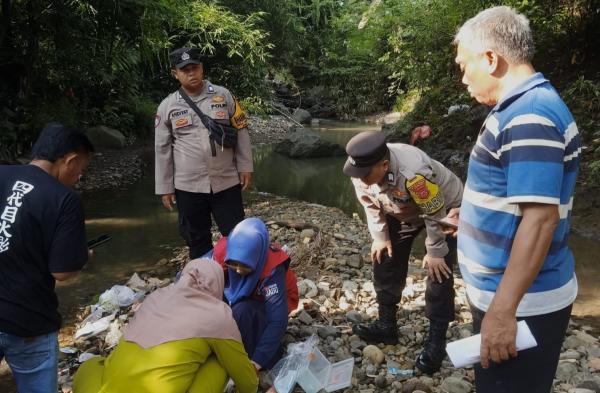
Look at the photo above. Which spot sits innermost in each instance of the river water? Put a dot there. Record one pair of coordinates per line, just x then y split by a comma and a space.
144, 232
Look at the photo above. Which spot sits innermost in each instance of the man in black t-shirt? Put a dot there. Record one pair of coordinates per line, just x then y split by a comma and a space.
42, 239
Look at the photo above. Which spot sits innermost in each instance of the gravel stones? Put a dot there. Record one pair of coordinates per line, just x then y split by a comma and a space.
565, 371
335, 295
456, 385
373, 354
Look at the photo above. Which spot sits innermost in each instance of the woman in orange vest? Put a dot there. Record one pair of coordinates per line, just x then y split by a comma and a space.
261, 289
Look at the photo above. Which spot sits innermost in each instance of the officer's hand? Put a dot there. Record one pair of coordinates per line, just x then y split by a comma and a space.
168, 200
378, 248
452, 218
245, 179
436, 268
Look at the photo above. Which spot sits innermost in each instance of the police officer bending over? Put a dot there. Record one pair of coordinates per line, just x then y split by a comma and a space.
396, 183
203, 153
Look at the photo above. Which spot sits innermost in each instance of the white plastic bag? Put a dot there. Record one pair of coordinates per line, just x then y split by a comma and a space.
94, 328
286, 372
95, 314
114, 334
136, 283
116, 297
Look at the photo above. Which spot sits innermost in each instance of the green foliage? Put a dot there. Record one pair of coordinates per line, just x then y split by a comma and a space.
583, 99
254, 105
89, 62
237, 49
378, 51
420, 50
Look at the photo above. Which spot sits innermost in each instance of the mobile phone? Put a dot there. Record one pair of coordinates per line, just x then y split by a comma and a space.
437, 221
95, 242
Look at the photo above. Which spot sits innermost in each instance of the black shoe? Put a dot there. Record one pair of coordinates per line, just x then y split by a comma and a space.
377, 332
384, 330
430, 359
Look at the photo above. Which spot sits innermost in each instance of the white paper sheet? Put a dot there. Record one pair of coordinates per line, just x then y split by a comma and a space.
465, 352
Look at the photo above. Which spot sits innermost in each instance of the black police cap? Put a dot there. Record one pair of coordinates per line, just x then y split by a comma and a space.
184, 56
364, 151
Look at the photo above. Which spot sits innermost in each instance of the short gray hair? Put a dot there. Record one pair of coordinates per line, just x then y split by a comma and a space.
501, 29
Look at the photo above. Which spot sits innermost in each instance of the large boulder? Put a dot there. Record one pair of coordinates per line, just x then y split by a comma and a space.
303, 143
103, 137
302, 116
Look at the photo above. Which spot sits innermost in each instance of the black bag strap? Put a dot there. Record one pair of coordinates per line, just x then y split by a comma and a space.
202, 116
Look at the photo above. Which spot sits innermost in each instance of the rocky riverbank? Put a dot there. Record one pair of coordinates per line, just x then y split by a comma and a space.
330, 255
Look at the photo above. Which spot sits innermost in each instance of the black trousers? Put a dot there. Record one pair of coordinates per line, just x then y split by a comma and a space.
532, 371
389, 276
195, 211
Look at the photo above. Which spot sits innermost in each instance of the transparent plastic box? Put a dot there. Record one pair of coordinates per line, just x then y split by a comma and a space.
321, 374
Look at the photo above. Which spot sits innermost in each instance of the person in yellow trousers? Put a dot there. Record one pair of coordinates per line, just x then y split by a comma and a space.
182, 339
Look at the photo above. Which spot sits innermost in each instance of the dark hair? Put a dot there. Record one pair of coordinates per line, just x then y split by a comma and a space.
56, 140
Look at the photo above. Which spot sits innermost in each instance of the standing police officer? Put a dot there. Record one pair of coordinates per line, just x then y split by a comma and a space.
396, 183
193, 167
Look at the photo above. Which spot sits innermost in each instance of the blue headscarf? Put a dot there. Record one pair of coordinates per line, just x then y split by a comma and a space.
248, 243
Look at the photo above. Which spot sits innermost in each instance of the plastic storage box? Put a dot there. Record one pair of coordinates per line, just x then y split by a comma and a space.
321, 374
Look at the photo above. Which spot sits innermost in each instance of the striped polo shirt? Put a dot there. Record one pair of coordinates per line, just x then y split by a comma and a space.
527, 151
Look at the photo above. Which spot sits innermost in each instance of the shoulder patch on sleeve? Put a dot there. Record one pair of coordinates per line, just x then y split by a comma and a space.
238, 120
425, 193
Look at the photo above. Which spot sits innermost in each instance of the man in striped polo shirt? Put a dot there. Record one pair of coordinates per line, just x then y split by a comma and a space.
516, 209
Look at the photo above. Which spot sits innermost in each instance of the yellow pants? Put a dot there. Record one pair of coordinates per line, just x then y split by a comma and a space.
174, 367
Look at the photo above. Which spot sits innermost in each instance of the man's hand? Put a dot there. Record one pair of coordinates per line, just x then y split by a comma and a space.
257, 366
452, 218
168, 200
436, 268
378, 248
498, 337
245, 179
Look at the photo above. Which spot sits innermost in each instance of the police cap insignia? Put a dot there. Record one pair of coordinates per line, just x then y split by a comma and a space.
183, 56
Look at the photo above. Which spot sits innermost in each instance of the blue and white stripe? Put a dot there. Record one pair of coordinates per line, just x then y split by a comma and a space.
528, 152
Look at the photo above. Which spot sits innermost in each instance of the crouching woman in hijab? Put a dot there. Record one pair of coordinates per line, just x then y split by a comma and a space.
261, 289
182, 339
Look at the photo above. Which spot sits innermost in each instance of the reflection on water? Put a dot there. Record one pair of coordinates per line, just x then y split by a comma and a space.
317, 180
142, 231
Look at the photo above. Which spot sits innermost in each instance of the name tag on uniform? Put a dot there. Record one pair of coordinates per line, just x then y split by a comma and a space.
181, 121
220, 115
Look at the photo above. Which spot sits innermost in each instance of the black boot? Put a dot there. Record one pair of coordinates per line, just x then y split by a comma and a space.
384, 330
430, 359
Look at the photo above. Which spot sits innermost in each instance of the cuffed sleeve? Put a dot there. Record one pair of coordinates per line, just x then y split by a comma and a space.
375, 215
